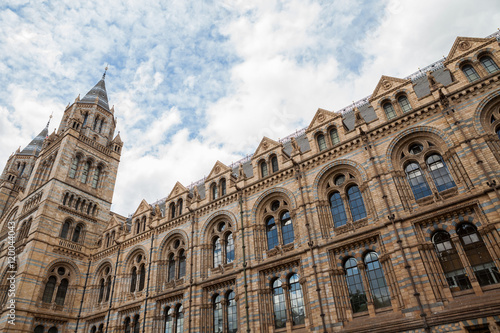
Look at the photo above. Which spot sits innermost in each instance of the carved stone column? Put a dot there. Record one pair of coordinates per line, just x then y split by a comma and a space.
465, 262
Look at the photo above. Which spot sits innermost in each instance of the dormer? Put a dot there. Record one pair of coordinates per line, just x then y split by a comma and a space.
219, 182
325, 130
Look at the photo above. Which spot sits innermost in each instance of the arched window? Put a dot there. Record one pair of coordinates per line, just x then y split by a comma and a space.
179, 207
96, 120
172, 210
232, 317
489, 64
101, 291
137, 324
263, 169
356, 203
439, 172
338, 210
229, 248
39, 329
93, 329
378, 285
182, 264
470, 73
65, 230
279, 305
217, 313
85, 172
179, 320
217, 252
389, 111
498, 133
417, 181
95, 180
321, 142
334, 136
53, 329
215, 192
450, 261
355, 287
133, 280
482, 264
85, 118
274, 164
74, 166
169, 324
49, 290
76, 234
296, 300
108, 289
223, 187
272, 233
287, 228
171, 268
404, 103
61, 292
142, 277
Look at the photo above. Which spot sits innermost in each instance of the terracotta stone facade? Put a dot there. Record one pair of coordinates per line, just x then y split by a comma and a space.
384, 217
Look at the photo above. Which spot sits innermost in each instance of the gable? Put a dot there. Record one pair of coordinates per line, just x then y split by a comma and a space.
321, 117
177, 190
386, 84
265, 145
143, 207
218, 169
464, 45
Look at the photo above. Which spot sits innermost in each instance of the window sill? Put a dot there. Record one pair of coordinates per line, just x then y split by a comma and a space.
360, 314
280, 249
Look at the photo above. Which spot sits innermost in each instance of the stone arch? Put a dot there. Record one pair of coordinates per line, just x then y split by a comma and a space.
215, 217
131, 253
264, 196
66, 262
169, 236
482, 109
103, 263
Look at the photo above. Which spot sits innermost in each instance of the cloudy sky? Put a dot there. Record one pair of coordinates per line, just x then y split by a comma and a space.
193, 82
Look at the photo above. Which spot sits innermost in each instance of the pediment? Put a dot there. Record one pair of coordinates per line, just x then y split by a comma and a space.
113, 222
143, 207
386, 84
218, 169
177, 190
265, 145
464, 45
321, 117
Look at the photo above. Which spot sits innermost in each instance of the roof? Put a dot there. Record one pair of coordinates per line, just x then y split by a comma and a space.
35, 146
98, 91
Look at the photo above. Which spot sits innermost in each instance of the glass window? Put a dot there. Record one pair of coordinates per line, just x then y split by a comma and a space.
222, 186
489, 64
450, 261
263, 169
404, 103
76, 234
61, 292
182, 264
179, 320
389, 111
356, 203
101, 291
133, 280
287, 228
137, 324
321, 142
171, 267
179, 207
229, 249
53, 329
108, 289
417, 181
272, 233
215, 193
355, 287
218, 326
334, 136
168, 320
217, 252
127, 325
376, 279
279, 305
95, 179
232, 317
74, 166
338, 210
172, 210
39, 329
470, 73
296, 301
49, 289
85, 172
274, 163
65, 230
142, 277
439, 173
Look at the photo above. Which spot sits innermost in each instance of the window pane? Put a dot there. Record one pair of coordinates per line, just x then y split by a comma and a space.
450, 261
274, 163
49, 290
222, 186
272, 234
76, 234
61, 292
489, 64
217, 252
65, 230
85, 172
321, 142
168, 320
182, 264
287, 228
404, 103
171, 268
101, 291
263, 169
229, 249
355, 286
97, 172
296, 301
232, 318
179, 320
356, 203
338, 210
133, 280
217, 315
389, 111
376, 279
74, 166
470, 73
418, 184
334, 136
439, 173
142, 277
279, 305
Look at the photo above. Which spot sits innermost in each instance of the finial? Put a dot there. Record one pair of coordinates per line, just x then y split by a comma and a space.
50, 117
105, 70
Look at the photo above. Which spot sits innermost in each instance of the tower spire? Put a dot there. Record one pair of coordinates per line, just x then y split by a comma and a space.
50, 118
105, 70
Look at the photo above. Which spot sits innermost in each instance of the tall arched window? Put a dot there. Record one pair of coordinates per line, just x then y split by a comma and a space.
356, 203
74, 166
489, 64
274, 164
450, 261
95, 179
272, 233
217, 314
279, 305
378, 285
229, 248
133, 280
172, 210
169, 323
53, 329
85, 172
470, 73
404, 103
338, 209
101, 291
142, 277
76, 234
480, 259
263, 169
179, 207
171, 268
389, 111
96, 120
222, 187
217, 252
65, 230
439, 172
334, 136
85, 118
108, 289
232, 317
127, 325
49, 290
39, 329
61, 292
182, 263
296, 300
355, 287
321, 142
179, 320
287, 228
137, 324
417, 181
215, 192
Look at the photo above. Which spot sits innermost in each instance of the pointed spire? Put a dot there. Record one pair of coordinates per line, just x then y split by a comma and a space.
98, 95
105, 70
50, 118
35, 146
